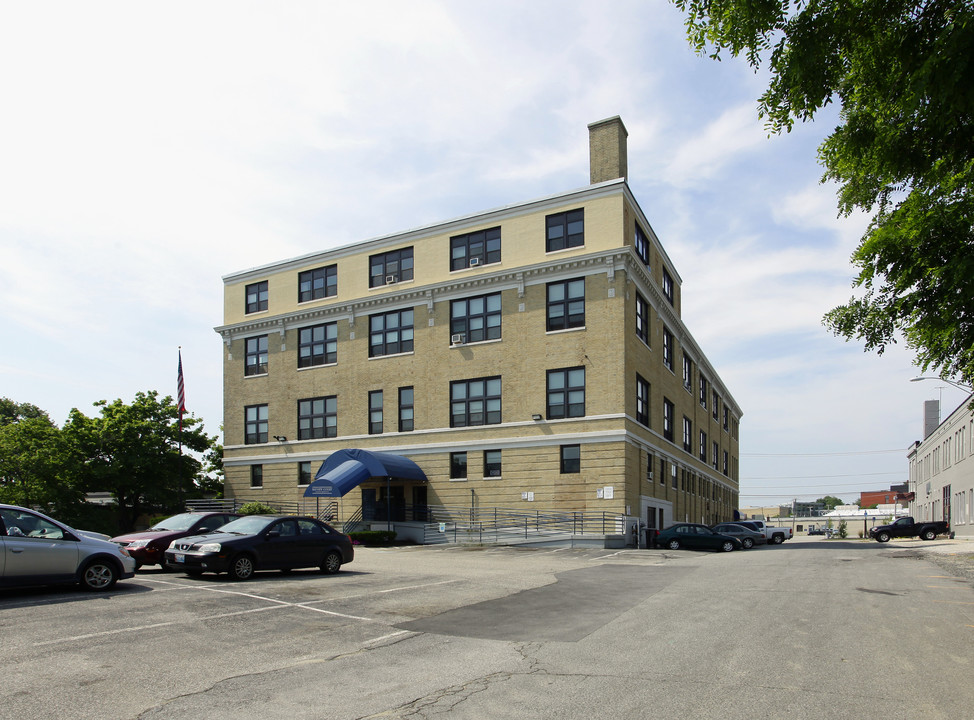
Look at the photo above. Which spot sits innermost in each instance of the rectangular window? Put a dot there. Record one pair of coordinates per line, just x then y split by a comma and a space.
642, 319
477, 318
476, 248
687, 434
667, 286
668, 410
492, 463
475, 402
703, 446
725, 418
406, 409
566, 304
255, 362
255, 424
571, 459
318, 345
458, 466
703, 392
391, 333
304, 473
375, 412
256, 476
256, 296
318, 283
716, 403
724, 463
565, 230
641, 245
317, 418
650, 463
716, 455
667, 348
566, 393
642, 400
687, 372
391, 267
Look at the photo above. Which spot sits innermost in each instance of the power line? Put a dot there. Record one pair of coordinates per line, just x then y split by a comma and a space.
833, 454
816, 477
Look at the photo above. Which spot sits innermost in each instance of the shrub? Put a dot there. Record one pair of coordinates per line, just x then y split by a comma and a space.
373, 537
257, 508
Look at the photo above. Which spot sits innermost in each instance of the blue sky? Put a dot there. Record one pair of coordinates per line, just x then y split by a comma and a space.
148, 150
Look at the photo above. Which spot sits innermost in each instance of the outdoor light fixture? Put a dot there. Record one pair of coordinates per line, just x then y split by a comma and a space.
536, 416
959, 386
280, 438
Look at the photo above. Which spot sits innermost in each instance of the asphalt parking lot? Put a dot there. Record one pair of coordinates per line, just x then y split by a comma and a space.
506, 632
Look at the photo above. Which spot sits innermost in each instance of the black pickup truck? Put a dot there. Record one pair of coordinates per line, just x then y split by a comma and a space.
906, 527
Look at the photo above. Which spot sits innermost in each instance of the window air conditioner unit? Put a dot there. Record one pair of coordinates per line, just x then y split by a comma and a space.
457, 339
474, 261
390, 279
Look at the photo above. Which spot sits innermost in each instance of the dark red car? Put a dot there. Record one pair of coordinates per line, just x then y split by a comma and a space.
148, 547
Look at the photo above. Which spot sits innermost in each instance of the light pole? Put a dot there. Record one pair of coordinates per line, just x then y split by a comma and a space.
959, 386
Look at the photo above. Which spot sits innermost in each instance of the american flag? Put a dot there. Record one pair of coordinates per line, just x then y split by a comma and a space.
180, 389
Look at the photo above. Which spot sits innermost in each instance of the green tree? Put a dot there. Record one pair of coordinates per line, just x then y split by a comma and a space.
34, 466
901, 71
133, 451
830, 502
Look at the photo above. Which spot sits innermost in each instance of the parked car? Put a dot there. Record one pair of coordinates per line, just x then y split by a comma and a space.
816, 530
38, 550
148, 547
749, 538
907, 527
775, 535
262, 542
693, 536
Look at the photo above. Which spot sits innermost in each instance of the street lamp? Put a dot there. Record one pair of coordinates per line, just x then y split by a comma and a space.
959, 386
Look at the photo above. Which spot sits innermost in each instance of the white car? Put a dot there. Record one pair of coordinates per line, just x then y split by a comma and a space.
38, 550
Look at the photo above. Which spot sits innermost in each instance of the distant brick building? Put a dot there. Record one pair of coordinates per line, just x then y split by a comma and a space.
868, 498
531, 356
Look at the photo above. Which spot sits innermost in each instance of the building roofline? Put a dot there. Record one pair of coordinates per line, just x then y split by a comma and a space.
605, 189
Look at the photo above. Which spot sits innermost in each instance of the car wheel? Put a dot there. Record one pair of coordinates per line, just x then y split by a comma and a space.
882, 537
99, 575
748, 543
778, 539
242, 567
727, 546
332, 563
928, 535
673, 544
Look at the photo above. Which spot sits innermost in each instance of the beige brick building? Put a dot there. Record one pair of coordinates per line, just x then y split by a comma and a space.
529, 357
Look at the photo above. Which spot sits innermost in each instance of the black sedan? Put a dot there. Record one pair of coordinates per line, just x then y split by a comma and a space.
262, 542
749, 538
694, 537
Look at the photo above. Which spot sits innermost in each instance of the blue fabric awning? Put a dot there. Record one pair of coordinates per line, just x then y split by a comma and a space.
347, 469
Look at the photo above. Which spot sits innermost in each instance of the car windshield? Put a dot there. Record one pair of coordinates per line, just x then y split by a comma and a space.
176, 522
247, 525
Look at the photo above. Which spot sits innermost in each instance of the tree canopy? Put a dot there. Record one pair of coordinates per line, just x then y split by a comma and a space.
830, 502
136, 451
902, 72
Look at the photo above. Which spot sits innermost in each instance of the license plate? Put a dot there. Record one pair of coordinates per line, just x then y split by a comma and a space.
180, 558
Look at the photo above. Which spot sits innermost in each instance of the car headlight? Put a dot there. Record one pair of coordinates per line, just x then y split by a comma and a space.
136, 544
210, 547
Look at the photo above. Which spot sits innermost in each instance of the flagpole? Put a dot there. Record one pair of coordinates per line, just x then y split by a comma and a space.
181, 403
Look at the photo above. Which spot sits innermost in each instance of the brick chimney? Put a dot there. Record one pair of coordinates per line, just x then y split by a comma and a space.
607, 150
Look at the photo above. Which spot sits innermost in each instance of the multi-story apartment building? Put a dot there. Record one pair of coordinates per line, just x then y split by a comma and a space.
530, 357
942, 471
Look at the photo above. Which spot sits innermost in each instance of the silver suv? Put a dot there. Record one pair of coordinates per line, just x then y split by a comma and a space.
38, 550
